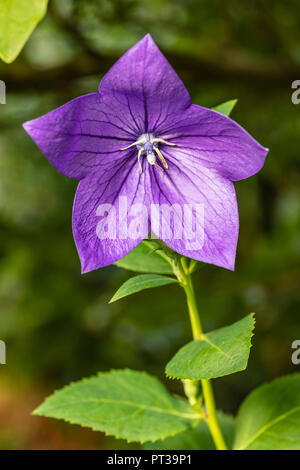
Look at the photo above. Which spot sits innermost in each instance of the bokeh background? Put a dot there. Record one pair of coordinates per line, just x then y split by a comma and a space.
57, 324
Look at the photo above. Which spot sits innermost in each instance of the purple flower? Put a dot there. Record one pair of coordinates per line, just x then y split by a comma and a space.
139, 144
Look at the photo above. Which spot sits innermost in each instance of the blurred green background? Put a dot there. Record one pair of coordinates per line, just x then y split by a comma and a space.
57, 324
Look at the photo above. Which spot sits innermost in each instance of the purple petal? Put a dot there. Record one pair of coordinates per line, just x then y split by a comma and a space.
143, 80
105, 209
210, 234
206, 137
78, 137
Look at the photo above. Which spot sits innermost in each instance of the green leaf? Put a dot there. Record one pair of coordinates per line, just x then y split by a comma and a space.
269, 418
196, 438
127, 404
18, 18
144, 259
225, 108
141, 282
221, 352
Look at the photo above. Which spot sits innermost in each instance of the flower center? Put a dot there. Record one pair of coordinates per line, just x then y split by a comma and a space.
147, 146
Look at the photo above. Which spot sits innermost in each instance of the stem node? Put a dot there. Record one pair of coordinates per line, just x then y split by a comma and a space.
183, 275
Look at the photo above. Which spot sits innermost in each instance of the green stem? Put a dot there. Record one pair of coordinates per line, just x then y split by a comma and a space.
207, 389
192, 308
192, 266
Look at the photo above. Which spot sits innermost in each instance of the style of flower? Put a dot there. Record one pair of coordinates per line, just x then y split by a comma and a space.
140, 137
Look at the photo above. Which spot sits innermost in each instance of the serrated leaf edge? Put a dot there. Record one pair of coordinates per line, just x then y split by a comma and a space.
126, 370
177, 377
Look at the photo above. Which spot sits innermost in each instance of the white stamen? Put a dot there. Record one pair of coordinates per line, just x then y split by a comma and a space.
145, 145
